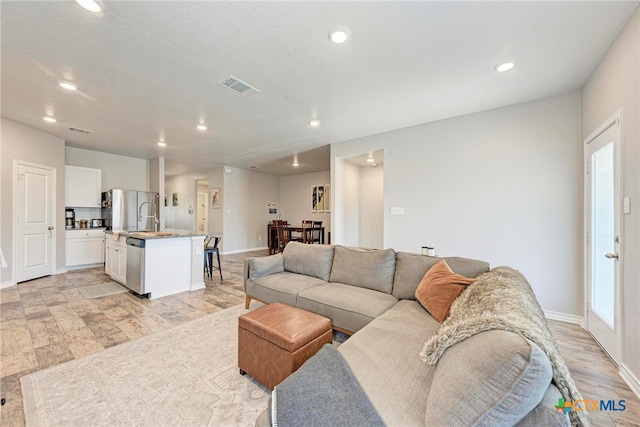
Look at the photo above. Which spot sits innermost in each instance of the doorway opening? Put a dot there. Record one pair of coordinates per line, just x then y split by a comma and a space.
359, 198
202, 206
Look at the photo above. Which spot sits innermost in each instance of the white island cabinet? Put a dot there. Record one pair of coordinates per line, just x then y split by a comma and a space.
115, 258
165, 263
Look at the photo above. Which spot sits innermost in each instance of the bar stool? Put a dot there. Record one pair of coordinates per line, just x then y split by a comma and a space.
208, 255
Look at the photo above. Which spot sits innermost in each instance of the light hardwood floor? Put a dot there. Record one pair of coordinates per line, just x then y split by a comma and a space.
45, 322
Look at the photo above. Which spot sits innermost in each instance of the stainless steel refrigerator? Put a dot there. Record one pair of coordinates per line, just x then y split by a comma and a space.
129, 210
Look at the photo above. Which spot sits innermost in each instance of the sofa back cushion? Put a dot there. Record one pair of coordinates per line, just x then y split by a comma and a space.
366, 268
411, 268
310, 260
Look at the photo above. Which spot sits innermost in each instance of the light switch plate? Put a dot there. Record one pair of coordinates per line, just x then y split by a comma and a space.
397, 211
627, 205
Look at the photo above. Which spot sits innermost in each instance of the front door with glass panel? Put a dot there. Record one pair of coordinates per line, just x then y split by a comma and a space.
603, 237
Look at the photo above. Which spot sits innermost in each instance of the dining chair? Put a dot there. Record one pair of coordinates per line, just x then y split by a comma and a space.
284, 236
302, 236
273, 249
314, 232
209, 250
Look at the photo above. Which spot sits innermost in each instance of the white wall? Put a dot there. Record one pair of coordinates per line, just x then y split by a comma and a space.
20, 142
372, 207
502, 185
345, 215
295, 199
181, 216
245, 214
117, 171
615, 84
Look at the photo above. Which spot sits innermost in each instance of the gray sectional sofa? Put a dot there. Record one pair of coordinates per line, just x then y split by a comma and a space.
493, 378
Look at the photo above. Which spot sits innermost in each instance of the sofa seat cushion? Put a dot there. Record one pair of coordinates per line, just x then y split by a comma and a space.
349, 307
384, 357
281, 287
365, 268
310, 260
505, 377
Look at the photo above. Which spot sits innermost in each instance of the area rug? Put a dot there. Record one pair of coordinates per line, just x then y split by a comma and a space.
102, 290
185, 376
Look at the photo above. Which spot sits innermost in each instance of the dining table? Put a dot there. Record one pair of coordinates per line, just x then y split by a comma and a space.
272, 233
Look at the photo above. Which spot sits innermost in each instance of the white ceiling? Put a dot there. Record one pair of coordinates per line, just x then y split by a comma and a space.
147, 70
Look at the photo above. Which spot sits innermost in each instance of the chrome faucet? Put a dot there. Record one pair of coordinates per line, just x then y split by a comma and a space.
156, 221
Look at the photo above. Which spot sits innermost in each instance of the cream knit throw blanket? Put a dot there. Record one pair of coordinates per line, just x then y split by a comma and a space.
503, 299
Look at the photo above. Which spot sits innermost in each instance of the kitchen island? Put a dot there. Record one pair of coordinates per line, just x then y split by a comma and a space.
156, 263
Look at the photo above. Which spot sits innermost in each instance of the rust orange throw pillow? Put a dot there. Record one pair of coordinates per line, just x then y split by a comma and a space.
439, 287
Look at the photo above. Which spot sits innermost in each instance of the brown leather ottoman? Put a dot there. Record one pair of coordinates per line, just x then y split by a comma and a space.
275, 340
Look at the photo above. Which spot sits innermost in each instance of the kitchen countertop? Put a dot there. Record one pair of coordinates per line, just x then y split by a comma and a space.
165, 234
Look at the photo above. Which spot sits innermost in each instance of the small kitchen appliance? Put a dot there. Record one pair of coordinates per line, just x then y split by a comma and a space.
97, 223
69, 218
84, 223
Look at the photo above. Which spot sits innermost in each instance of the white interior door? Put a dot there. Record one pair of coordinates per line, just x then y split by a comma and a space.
603, 200
35, 221
202, 213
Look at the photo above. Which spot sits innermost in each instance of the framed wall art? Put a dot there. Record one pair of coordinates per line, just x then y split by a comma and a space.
215, 198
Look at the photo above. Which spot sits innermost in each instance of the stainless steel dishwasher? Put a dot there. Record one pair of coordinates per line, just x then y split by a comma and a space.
135, 265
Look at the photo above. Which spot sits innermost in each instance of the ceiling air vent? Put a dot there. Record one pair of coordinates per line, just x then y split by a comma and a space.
79, 130
237, 85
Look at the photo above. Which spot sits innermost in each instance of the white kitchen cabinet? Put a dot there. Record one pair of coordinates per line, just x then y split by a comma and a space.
83, 187
116, 258
84, 247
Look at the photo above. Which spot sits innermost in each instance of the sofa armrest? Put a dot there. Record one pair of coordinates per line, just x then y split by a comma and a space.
257, 267
493, 378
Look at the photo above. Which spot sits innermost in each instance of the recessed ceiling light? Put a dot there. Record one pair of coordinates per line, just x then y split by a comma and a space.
314, 123
339, 35
90, 5
49, 119
503, 66
67, 85
162, 144
201, 127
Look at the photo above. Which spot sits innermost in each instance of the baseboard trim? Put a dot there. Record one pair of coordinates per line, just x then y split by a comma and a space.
7, 284
61, 271
563, 317
197, 286
631, 380
81, 267
239, 251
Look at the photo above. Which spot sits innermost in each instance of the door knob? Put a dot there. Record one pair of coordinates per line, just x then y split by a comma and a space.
50, 227
612, 256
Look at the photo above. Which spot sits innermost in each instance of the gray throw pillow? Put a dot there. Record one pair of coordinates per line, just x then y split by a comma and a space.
264, 266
